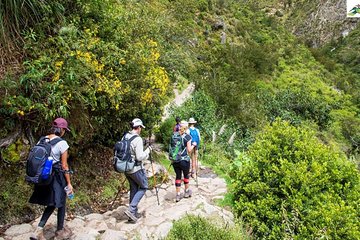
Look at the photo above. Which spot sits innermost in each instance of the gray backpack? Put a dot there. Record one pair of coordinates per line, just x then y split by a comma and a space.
123, 161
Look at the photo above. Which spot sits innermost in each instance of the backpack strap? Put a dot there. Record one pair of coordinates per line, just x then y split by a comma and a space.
133, 137
54, 141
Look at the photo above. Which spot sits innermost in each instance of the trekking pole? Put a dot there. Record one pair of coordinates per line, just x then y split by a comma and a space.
153, 172
197, 167
165, 176
117, 194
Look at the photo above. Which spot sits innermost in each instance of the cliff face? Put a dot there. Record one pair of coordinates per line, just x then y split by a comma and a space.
317, 21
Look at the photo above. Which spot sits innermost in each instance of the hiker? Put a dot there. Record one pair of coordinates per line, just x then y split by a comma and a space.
182, 167
53, 195
195, 137
177, 125
137, 177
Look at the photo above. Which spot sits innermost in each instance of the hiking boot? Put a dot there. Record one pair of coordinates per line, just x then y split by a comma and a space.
178, 197
38, 234
131, 216
188, 193
64, 233
138, 216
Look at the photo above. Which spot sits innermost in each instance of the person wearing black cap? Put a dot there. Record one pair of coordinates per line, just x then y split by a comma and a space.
53, 195
177, 125
137, 177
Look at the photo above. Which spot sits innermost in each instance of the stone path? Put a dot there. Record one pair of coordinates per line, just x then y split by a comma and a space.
179, 99
157, 220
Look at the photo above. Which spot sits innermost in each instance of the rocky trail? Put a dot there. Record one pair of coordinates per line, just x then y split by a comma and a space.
157, 220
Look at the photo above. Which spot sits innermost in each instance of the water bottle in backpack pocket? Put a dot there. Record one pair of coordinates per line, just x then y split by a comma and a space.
47, 170
38, 167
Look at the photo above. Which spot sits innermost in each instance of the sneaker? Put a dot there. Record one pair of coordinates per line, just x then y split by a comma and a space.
38, 234
177, 198
188, 193
64, 233
131, 216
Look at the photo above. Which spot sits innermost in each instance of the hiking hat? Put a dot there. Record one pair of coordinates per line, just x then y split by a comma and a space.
61, 123
184, 123
192, 120
137, 122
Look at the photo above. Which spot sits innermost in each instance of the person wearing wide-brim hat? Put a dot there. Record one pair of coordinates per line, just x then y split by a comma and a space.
195, 137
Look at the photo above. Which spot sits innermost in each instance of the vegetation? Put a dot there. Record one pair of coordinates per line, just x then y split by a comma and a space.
101, 63
195, 227
289, 185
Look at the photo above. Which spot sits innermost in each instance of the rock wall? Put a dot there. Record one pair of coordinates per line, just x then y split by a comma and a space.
323, 21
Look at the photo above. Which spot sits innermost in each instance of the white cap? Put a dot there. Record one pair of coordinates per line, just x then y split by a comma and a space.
137, 122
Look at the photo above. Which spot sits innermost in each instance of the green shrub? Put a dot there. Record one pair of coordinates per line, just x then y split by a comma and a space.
201, 107
165, 131
289, 185
195, 227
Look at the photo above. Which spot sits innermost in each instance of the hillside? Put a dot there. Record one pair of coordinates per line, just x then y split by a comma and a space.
258, 67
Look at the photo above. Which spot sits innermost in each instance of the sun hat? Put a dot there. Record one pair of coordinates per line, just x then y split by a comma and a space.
184, 123
61, 123
192, 120
137, 122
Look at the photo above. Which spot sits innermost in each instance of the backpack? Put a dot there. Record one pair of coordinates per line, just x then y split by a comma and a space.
123, 161
36, 160
176, 147
195, 137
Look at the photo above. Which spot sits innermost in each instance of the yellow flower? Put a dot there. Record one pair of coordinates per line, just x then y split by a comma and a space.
56, 76
21, 113
122, 61
59, 64
117, 84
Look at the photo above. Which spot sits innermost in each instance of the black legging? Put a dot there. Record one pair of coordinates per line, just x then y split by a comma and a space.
181, 167
60, 216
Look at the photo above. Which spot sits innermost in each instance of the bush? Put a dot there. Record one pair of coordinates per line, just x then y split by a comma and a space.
165, 131
195, 227
289, 185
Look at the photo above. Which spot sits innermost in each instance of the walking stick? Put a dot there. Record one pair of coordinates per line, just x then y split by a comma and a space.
117, 194
153, 172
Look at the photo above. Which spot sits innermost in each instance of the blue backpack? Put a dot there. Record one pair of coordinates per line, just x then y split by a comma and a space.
195, 137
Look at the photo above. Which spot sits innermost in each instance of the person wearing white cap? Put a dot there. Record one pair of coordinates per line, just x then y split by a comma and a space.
137, 177
195, 137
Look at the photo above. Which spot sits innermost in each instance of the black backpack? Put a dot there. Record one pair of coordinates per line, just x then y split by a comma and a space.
36, 161
123, 161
